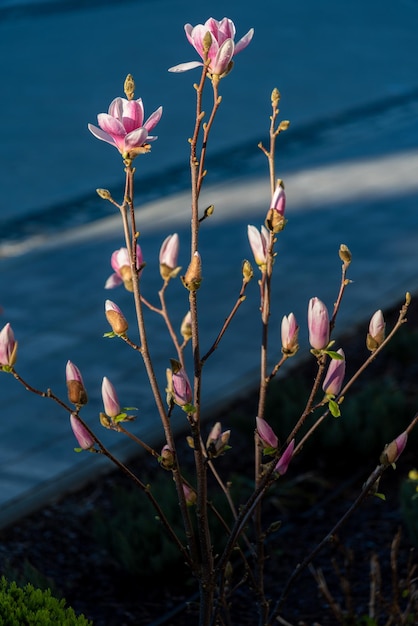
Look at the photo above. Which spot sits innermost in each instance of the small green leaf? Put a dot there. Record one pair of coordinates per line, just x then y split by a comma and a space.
78, 449
269, 451
334, 355
380, 495
334, 408
110, 335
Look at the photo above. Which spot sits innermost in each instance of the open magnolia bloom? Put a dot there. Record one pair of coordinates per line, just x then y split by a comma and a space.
216, 39
124, 127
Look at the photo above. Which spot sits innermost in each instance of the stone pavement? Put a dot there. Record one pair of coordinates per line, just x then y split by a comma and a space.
352, 181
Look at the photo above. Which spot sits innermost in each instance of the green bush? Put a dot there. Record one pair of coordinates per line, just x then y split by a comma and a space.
27, 606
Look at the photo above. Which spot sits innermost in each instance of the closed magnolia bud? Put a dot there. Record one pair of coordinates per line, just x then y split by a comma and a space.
266, 434
393, 451
84, 438
180, 385
167, 458
376, 334
284, 461
334, 378
190, 495
345, 254
168, 257
290, 332
104, 193
110, 398
75, 386
275, 96
115, 318
186, 327
129, 87
8, 347
247, 271
193, 277
318, 324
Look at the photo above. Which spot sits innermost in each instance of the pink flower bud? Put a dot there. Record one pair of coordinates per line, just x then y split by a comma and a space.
85, 440
217, 441
75, 386
110, 399
376, 334
181, 388
169, 252
318, 324
275, 220
393, 451
190, 495
259, 242
290, 331
115, 318
266, 434
8, 347
284, 461
167, 458
278, 202
334, 378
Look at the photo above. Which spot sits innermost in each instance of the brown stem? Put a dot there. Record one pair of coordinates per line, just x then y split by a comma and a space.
44, 394
131, 246
227, 322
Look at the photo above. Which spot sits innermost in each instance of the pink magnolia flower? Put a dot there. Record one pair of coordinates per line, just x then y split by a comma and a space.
259, 241
85, 440
121, 264
124, 127
284, 461
266, 433
290, 331
110, 398
219, 36
318, 324
334, 378
8, 346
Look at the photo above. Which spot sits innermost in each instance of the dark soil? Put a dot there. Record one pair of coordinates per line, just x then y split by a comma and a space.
65, 545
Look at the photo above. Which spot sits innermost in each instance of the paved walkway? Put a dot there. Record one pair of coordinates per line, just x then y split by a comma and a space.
351, 181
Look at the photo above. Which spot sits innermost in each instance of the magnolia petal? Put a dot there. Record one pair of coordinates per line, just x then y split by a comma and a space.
185, 67
136, 138
119, 258
223, 57
226, 29
100, 134
153, 119
244, 41
113, 281
111, 125
132, 115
